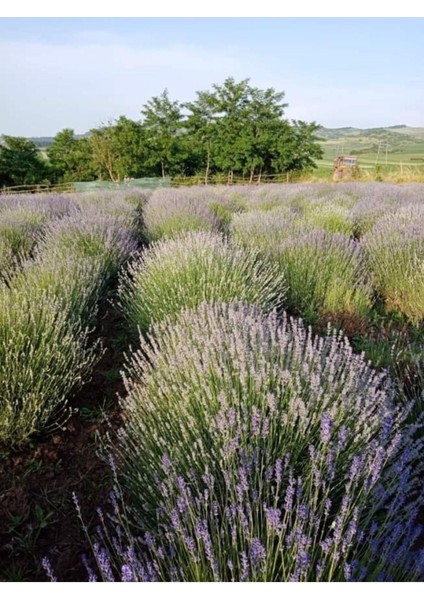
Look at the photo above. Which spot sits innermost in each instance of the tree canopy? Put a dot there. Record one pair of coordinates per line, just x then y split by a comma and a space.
232, 129
21, 162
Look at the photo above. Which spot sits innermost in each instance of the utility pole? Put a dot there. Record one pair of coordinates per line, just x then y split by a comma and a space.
378, 153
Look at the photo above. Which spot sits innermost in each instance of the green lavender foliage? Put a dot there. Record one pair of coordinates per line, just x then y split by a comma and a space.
6, 257
219, 359
329, 216
265, 230
199, 267
394, 250
76, 282
43, 360
47, 306
20, 227
170, 213
325, 273
253, 450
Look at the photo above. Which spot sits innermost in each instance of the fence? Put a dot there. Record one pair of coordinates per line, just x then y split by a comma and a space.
89, 186
36, 189
222, 179
149, 183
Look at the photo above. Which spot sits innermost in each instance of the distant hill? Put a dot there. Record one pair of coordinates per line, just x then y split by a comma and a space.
45, 142
382, 145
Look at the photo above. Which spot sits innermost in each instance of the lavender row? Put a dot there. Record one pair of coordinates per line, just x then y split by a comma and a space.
255, 451
181, 272
46, 348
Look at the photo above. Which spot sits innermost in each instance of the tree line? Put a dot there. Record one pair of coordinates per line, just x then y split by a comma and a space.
232, 130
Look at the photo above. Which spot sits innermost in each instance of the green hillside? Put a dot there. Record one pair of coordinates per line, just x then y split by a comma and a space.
398, 145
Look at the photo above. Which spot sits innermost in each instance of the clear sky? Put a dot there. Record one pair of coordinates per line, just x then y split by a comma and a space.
78, 73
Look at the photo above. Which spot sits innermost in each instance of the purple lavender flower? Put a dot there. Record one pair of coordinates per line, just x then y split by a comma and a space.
256, 421
326, 426
127, 574
166, 463
103, 562
257, 552
48, 568
91, 575
288, 499
273, 518
245, 569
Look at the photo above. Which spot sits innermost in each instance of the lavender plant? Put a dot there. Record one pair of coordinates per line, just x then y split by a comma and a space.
77, 283
111, 239
177, 273
43, 359
19, 228
325, 274
75, 262
113, 204
264, 230
329, 216
6, 258
52, 204
45, 308
217, 361
254, 451
273, 524
395, 254
172, 212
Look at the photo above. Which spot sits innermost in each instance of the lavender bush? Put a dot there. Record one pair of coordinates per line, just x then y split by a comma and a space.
45, 309
109, 238
172, 212
6, 258
181, 273
113, 204
329, 216
220, 360
75, 262
43, 358
395, 255
19, 228
264, 230
52, 204
325, 274
76, 282
254, 451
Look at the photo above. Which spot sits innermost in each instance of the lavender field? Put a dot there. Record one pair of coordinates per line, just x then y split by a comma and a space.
213, 384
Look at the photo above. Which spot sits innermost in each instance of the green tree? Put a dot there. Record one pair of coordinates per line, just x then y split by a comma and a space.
164, 132
264, 127
298, 150
238, 128
118, 150
131, 147
104, 153
21, 162
230, 102
202, 132
71, 157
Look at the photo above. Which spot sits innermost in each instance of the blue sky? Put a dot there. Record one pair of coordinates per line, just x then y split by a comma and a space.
78, 73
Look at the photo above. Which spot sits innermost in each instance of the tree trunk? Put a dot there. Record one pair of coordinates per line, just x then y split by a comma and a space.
208, 160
